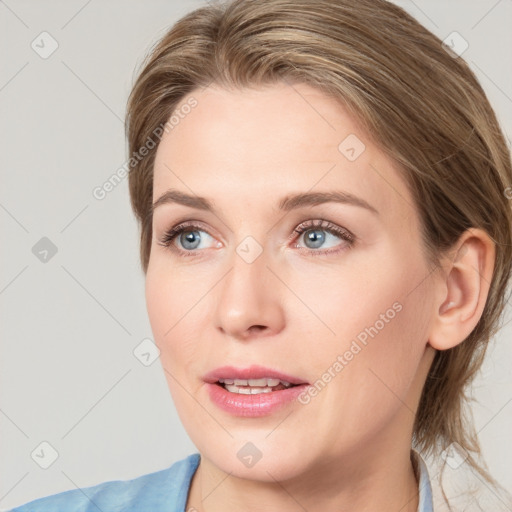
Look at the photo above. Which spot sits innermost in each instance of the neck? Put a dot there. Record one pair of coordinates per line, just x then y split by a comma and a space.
381, 480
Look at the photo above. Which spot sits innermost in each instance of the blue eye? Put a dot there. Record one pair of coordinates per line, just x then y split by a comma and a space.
190, 236
314, 234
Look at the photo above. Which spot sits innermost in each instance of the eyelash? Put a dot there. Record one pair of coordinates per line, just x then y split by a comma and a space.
169, 237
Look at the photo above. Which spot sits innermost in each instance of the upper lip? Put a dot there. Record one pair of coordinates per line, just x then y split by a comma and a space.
251, 372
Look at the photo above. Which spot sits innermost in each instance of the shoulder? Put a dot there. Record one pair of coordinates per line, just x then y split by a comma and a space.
164, 490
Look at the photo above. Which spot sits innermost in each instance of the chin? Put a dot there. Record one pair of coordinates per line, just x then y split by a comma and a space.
270, 461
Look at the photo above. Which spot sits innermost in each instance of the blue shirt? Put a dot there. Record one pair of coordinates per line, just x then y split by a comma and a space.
162, 491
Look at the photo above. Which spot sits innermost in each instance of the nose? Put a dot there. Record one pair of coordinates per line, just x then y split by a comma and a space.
249, 301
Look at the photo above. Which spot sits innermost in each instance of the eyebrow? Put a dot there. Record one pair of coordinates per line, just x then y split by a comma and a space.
288, 203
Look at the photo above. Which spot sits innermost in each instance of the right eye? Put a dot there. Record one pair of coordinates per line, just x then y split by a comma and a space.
188, 234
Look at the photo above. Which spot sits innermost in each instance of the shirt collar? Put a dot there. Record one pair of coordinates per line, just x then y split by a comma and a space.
424, 488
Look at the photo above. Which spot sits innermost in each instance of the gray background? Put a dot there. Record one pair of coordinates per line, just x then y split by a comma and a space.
69, 325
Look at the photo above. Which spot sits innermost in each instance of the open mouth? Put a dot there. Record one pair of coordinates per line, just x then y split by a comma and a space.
254, 386
252, 392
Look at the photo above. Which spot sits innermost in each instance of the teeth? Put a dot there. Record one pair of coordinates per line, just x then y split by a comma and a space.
255, 382
252, 386
248, 390
262, 382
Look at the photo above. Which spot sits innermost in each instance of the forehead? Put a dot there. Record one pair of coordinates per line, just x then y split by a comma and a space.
270, 141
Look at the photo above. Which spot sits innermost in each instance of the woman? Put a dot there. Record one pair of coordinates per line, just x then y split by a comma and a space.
326, 239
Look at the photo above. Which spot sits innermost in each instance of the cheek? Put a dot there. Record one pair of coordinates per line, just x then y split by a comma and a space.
171, 314
371, 332
159, 304
172, 306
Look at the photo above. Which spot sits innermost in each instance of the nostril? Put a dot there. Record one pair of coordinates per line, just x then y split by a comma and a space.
257, 327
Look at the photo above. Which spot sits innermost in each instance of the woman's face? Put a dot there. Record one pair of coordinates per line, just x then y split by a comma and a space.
343, 306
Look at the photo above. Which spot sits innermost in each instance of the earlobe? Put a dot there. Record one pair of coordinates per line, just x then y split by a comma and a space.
462, 289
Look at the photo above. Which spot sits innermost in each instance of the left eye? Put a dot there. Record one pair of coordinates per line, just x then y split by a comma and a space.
315, 238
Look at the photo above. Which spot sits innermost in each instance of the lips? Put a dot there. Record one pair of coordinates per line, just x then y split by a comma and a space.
239, 391
251, 373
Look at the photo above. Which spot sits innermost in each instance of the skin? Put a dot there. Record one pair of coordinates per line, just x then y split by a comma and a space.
296, 311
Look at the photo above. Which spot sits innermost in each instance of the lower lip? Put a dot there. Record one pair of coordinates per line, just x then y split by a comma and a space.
261, 404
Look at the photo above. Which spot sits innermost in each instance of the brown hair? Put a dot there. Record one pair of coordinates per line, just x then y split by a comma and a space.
422, 105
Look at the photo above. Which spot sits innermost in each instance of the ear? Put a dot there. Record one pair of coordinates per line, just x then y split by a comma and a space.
462, 289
